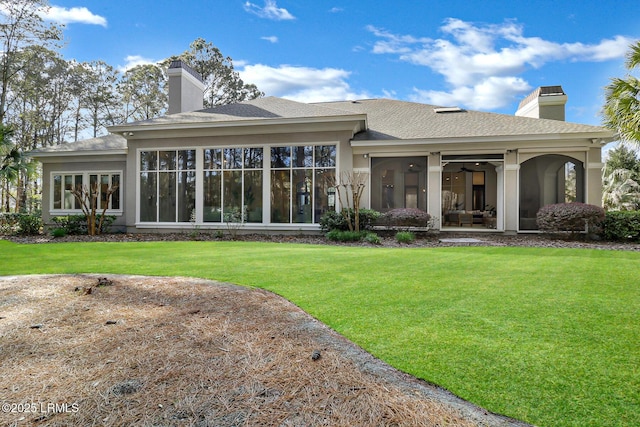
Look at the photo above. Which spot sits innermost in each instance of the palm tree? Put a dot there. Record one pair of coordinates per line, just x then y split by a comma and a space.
14, 165
621, 110
620, 192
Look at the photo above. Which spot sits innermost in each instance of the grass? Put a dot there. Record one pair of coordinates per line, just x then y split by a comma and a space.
549, 336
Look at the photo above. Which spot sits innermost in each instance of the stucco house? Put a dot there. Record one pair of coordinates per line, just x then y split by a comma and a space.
269, 158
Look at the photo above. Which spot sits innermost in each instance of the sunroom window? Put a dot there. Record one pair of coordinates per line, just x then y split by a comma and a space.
301, 177
167, 185
63, 185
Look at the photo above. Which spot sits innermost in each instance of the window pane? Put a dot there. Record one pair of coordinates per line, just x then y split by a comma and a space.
93, 186
280, 196
322, 200
167, 195
187, 159
186, 196
253, 195
115, 197
233, 158
213, 158
280, 157
232, 194
167, 160
104, 191
148, 160
325, 156
57, 192
302, 157
148, 199
212, 205
78, 186
302, 181
253, 158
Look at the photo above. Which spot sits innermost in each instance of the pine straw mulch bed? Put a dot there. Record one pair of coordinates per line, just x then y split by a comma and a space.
188, 352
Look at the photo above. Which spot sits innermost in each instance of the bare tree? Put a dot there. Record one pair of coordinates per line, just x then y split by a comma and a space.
88, 200
349, 189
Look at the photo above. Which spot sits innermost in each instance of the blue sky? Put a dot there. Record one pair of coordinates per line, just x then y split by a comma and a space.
481, 55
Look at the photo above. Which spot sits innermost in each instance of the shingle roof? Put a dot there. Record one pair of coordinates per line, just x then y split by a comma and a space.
110, 142
386, 119
390, 119
261, 108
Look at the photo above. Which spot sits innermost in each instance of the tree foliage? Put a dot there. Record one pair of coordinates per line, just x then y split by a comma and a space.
223, 84
621, 180
143, 91
21, 26
621, 110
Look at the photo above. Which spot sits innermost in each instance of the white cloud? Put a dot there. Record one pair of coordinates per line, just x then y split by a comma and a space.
269, 11
271, 39
491, 93
80, 15
133, 61
482, 64
303, 84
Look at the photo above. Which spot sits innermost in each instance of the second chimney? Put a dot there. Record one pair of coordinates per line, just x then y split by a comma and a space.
186, 89
546, 102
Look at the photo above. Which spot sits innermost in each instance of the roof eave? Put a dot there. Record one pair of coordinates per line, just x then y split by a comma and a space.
67, 153
595, 137
126, 128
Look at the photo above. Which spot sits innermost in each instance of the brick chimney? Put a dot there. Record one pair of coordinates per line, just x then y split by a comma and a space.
186, 88
546, 102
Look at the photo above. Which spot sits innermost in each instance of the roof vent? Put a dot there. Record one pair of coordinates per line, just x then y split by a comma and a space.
448, 110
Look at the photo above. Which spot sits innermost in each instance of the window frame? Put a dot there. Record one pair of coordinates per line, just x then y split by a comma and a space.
86, 177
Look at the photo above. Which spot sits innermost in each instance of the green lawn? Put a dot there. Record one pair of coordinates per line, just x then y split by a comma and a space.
549, 336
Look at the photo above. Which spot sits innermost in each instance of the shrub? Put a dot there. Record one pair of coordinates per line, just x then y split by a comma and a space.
58, 232
29, 223
333, 220
345, 235
77, 224
571, 217
407, 217
622, 226
9, 223
372, 238
405, 237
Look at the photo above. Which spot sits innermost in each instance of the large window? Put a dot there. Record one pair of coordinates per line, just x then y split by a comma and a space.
63, 185
232, 180
167, 185
301, 177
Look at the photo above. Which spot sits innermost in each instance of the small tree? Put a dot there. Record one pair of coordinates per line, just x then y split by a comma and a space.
349, 188
89, 203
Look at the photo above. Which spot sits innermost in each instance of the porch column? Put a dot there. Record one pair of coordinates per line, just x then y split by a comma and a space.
593, 179
434, 187
511, 191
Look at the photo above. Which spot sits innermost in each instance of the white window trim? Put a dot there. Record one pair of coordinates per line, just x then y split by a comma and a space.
85, 181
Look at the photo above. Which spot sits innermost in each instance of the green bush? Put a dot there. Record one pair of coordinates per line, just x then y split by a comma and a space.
572, 217
58, 232
405, 237
372, 238
407, 217
333, 220
345, 235
29, 224
77, 224
622, 226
